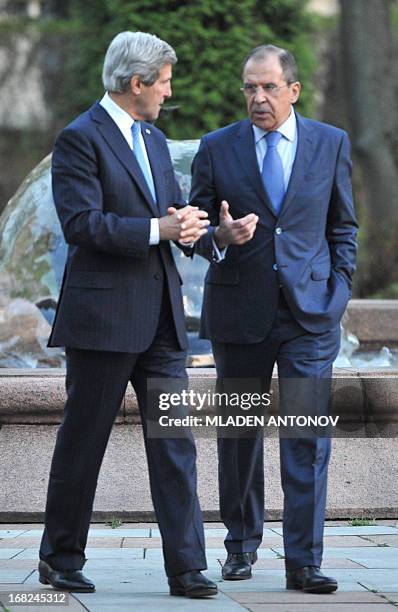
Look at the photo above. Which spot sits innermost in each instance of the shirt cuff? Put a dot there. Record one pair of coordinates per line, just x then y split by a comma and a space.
218, 254
154, 236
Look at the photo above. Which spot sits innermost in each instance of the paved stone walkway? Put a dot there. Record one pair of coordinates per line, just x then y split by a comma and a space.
127, 566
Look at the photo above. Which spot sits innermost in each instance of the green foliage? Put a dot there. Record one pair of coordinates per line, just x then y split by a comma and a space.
211, 40
395, 15
114, 523
362, 522
387, 293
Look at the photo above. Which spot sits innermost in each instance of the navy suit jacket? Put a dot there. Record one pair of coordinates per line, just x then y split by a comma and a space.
112, 288
309, 250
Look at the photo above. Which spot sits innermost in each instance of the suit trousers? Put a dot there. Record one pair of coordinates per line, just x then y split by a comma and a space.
96, 382
302, 357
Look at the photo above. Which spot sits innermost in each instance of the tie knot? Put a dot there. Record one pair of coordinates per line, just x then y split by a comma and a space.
136, 128
273, 138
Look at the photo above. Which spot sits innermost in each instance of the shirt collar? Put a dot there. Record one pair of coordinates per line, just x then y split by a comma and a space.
123, 120
288, 129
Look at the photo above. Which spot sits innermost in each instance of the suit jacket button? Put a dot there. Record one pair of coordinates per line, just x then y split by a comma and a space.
156, 276
278, 230
275, 267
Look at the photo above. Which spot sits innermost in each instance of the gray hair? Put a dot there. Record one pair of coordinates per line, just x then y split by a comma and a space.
135, 53
286, 60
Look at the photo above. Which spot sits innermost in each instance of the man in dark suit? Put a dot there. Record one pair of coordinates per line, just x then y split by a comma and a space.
277, 188
120, 313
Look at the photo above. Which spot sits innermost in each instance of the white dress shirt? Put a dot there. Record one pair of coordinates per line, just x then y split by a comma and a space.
287, 146
124, 122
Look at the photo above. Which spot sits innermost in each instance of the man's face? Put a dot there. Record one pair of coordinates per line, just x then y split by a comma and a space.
151, 97
269, 102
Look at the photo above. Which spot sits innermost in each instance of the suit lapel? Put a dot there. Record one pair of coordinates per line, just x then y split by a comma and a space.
245, 149
120, 148
302, 161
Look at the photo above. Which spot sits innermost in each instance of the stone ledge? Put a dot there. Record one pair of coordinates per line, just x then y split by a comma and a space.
211, 516
38, 396
373, 322
362, 476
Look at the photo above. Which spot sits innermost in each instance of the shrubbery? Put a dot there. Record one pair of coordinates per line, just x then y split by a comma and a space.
211, 39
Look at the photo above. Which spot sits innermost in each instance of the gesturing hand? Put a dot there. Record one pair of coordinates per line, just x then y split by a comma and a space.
186, 224
234, 231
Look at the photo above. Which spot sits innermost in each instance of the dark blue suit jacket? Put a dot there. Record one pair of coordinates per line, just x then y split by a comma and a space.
309, 250
112, 289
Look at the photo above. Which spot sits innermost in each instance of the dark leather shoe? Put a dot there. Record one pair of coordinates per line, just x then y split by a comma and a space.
192, 584
311, 580
238, 566
65, 580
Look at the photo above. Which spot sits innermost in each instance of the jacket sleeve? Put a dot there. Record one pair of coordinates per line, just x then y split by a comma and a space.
342, 225
203, 194
78, 199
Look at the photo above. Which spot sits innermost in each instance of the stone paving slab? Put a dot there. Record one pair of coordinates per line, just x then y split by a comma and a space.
138, 580
328, 563
380, 580
91, 542
354, 531
274, 580
129, 601
390, 596
377, 558
10, 533
339, 552
141, 543
322, 607
28, 564
127, 565
292, 597
15, 575
215, 553
222, 532
9, 553
266, 543
355, 553
386, 540
93, 553
118, 532
345, 541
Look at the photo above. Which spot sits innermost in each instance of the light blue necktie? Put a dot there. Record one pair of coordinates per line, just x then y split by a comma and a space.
272, 172
139, 154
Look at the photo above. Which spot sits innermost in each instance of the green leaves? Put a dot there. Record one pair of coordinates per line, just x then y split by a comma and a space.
211, 40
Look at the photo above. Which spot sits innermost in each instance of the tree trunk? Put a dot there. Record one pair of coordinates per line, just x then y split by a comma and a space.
371, 87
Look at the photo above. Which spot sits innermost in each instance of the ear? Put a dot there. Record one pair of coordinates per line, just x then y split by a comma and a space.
136, 85
295, 89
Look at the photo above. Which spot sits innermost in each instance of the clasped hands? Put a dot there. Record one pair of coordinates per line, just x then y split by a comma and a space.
189, 223
184, 225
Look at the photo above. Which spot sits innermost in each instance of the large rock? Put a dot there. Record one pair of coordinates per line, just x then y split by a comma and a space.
23, 337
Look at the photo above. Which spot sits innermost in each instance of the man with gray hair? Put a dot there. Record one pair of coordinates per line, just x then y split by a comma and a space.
120, 312
277, 187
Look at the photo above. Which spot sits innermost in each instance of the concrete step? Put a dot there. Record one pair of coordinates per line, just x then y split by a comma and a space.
362, 483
